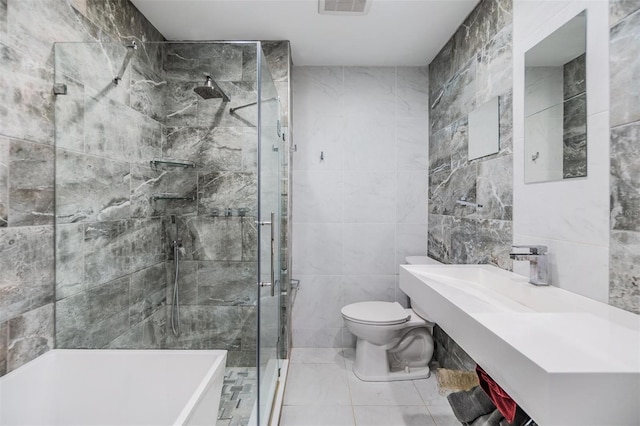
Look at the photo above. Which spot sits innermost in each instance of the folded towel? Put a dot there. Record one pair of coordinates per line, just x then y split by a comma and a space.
498, 396
469, 405
492, 419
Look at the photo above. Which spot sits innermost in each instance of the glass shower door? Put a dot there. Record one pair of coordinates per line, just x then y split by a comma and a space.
269, 219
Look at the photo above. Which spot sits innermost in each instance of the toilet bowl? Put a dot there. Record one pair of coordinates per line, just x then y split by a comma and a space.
393, 343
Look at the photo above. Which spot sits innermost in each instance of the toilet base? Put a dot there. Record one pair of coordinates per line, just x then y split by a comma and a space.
392, 376
372, 365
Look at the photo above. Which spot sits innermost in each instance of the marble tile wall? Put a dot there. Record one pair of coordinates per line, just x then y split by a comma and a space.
624, 63
473, 67
218, 268
361, 208
28, 29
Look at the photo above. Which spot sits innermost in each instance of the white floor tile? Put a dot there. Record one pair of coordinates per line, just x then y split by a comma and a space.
316, 384
443, 415
397, 416
429, 391
383, 393
318, 415
317, 356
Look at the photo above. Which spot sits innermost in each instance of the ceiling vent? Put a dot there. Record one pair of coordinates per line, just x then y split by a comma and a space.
344, 7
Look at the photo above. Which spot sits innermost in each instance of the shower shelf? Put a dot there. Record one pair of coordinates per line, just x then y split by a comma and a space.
169, 196
171, 163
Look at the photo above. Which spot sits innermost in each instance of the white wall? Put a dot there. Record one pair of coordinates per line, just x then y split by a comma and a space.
571, 217
362, 209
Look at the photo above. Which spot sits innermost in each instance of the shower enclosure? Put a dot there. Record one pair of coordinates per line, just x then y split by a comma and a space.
168, 188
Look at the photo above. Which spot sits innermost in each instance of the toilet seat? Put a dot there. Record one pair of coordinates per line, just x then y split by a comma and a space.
376, 313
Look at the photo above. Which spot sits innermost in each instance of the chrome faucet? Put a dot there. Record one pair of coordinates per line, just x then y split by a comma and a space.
538, 262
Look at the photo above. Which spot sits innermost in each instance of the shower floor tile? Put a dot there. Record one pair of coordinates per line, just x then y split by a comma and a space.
238, 396
314, 373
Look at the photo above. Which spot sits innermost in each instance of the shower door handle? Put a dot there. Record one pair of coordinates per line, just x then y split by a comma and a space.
272, 274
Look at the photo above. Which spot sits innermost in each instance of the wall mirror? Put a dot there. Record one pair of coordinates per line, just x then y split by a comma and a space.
484, 130
555, 145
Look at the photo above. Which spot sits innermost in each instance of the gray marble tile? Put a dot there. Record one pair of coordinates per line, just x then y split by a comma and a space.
91, 188
449, 354
219, 148
3, 17
620, 9
625, 187
212, 238
26, 262
224, 190
227, 283
5, 144
440, 70
624, 287
574, 159
145, 182
241, 359
249, 62
107, 251
494, 71
148, 293
148, 88
458, 97
277, 55
115, 16
495, 188
575, 119
575, 77
249, 239
624, 64
505, 106
30, 27
4, 336
187, 282
26, 103
31, 184
215, 113
148, 334
30, 335
118, 132
459, 144
95, 65
146, 237
95, 317
69, 259
458, 184
439, 237
481, 241
194, 61
211, 327
180, 103
483, 24
69, 116
440, 151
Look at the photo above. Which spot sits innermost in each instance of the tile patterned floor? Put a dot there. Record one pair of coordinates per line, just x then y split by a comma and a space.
323, 391
238, 396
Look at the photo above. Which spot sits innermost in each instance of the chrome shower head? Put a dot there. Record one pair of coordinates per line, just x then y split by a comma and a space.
211, 90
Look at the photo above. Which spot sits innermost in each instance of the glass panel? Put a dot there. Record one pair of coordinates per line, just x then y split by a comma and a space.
269, 170
157, 194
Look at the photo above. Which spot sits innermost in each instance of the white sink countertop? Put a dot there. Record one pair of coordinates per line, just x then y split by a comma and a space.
566, 359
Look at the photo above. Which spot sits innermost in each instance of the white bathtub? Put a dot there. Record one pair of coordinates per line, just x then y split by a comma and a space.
114, 387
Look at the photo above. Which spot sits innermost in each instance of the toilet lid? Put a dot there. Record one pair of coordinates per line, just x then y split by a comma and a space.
387, 313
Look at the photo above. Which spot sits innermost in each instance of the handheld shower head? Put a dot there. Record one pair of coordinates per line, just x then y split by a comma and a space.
211, 90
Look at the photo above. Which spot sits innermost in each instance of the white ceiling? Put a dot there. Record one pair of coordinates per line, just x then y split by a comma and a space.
394, 32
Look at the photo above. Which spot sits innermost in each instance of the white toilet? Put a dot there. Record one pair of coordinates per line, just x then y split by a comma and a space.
393, 343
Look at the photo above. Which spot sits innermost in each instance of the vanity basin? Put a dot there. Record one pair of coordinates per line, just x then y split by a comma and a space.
566, 359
